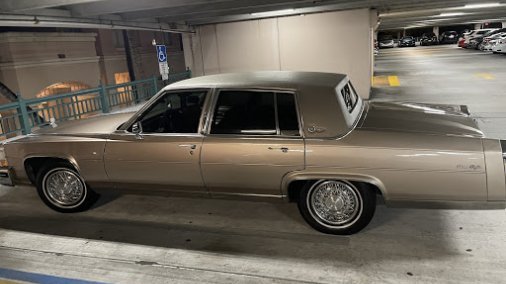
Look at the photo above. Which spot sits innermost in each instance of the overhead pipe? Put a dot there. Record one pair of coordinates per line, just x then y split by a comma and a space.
67, 22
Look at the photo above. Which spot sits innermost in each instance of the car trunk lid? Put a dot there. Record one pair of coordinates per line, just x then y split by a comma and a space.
423, 118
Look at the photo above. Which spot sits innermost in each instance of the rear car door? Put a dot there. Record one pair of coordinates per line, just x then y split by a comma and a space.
253, 140
167, 151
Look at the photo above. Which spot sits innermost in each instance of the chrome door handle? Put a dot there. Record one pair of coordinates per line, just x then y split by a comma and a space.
283, 149
191, 146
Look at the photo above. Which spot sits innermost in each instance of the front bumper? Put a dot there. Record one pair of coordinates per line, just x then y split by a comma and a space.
6, 176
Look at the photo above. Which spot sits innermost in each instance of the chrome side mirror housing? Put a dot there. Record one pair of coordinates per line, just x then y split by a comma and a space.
137, 130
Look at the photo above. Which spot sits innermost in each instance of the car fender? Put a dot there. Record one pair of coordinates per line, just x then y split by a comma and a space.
310, 175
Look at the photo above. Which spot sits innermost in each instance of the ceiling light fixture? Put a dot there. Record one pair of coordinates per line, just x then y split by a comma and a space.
482, 5
273, 13
450, 14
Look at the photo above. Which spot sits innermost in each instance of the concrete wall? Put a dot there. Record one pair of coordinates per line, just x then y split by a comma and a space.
29, 62
339, 42
32, 61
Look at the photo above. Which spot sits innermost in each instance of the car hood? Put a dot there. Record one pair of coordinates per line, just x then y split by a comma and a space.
421, 118
102, 124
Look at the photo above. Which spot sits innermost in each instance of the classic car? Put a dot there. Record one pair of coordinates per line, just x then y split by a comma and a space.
303, 137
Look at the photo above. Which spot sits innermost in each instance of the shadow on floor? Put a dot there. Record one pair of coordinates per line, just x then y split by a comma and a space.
232, 227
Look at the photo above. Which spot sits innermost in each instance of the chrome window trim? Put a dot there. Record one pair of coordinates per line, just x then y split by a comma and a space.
214, 102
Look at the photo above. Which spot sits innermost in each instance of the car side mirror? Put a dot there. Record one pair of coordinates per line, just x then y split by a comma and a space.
137, 130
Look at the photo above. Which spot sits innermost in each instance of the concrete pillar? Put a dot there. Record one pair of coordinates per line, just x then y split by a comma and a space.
404, 32
477, 26
399, 34
504, 24
435, 30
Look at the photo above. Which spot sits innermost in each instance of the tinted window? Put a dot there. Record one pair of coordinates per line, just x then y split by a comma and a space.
244, 112
174, 113
287, 114
349, 96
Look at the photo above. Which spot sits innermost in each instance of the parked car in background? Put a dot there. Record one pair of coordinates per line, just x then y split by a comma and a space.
490, 41
462, 39
428, 39
477, 39
407, 41
500, 45
243, 135
449, 37
386, 42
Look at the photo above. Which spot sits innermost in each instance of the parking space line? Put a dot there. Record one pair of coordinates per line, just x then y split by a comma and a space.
485, 76
385, 81
16, 275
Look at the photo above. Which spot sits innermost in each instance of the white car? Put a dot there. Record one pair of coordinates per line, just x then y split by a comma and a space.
475, 34
490, 41
500, 45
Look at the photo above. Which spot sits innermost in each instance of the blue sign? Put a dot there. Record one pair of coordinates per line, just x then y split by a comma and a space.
161, 53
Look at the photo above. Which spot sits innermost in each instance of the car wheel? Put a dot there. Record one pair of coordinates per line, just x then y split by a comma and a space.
337, 207
63, 189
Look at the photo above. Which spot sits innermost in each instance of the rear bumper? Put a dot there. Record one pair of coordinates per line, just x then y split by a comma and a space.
6, 176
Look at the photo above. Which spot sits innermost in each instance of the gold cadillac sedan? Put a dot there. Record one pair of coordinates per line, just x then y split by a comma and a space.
297, 136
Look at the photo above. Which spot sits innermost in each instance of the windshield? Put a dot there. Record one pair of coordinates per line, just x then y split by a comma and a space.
385, 38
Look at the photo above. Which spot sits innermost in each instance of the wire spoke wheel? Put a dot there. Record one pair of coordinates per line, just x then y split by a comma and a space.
64, 188
334, 204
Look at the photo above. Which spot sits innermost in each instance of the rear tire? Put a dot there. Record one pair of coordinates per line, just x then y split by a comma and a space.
337, 207
62, 189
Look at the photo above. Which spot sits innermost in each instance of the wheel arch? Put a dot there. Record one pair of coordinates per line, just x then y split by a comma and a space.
33, 163
293, 182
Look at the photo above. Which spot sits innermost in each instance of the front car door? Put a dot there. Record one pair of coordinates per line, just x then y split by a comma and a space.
253, 139
166, 154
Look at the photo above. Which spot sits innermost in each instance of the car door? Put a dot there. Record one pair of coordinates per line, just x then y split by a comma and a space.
167, 148
253, 140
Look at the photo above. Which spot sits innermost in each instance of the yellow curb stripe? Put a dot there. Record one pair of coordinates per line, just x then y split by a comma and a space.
393, 81
380, 81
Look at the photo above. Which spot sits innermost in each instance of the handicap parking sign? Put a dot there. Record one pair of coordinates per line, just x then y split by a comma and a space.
161, 52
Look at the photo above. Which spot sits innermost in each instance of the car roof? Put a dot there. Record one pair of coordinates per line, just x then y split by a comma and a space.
263, 79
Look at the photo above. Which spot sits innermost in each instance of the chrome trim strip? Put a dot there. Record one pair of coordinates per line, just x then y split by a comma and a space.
277, 196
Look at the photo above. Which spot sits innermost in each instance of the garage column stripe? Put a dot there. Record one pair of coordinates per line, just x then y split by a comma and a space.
393, 81
10, 274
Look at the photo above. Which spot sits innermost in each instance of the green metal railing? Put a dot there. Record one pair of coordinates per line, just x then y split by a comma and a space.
21, 116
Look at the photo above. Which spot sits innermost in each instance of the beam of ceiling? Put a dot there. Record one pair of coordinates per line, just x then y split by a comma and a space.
16, 20
218, 9
23, 5
393, 13
125, 6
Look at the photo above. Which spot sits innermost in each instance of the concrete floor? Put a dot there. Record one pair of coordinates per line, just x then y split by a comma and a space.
146, 239
448, 74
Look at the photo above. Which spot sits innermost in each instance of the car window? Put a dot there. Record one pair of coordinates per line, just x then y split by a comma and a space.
174, 112
254, 113
287, 114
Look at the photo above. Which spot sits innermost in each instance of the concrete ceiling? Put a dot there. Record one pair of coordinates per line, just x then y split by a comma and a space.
176, 14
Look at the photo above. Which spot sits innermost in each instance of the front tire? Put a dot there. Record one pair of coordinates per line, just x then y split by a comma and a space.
62, 189
337, 207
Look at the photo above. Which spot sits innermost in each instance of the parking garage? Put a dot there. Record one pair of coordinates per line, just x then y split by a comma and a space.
79, 75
